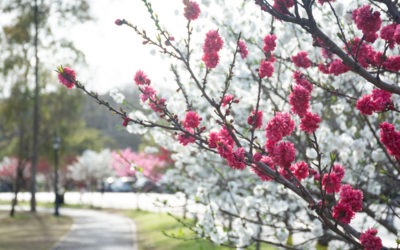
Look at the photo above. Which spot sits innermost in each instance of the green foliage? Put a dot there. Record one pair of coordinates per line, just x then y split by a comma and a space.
61, 114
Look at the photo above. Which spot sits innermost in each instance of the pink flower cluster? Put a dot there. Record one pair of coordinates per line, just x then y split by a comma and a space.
257, 169
266, 66
186, 138
368, 21
335, 67
279, 126
212, 45
228, 100
391, 139
192, 120
331, 182
391, 34
191, 10
269, 43
378, 101
148, 93
255, 119
66, 76
350, 202
282, 6
266, 69
301, 60
281, 152
225, 144
300, 170
370, 241
242, 49
299, 101
365, 55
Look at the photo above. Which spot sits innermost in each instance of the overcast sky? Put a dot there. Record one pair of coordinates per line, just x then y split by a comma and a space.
115, 53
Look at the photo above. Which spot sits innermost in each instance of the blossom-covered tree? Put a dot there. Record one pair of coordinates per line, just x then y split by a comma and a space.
91, 168
126, 162
289, 120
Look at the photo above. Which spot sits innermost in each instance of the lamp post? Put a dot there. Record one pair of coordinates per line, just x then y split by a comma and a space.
56, 147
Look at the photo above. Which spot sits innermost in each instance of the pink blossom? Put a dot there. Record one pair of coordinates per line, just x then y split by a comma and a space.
186, 138
381, 99
368, 21
378, 101
213, 138
324, 68
337, 67
191, 10
365, 105
269, 43
309, 122
353, 197
279, 126
258, 169
141, 78
282, 6
343, 212
211, 60
388, 34
213, 42
364, 52
236, 160
147, 93
225, 150
299, 100
257, 156
255, 119
301, 60
392, 63
331, 183
66, 76
158, 105
301, 80
192, 120
242, 49
283, 154
226, 137
390, 138
266, 69
228, 99
370, 241
338, 170
300, 170
221, 138
396, 35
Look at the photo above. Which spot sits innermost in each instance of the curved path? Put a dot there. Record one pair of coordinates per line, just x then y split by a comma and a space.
96, 230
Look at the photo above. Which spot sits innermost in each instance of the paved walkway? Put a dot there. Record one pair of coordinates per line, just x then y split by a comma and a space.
95, 230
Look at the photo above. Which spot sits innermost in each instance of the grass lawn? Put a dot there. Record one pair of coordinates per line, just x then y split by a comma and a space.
150, 227
31, 231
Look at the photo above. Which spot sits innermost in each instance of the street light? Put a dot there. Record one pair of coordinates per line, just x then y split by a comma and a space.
56, 147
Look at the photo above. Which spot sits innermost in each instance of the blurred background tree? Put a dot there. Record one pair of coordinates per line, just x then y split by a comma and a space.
28, 34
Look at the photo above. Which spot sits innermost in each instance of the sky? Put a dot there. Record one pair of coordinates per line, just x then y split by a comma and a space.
114, 53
